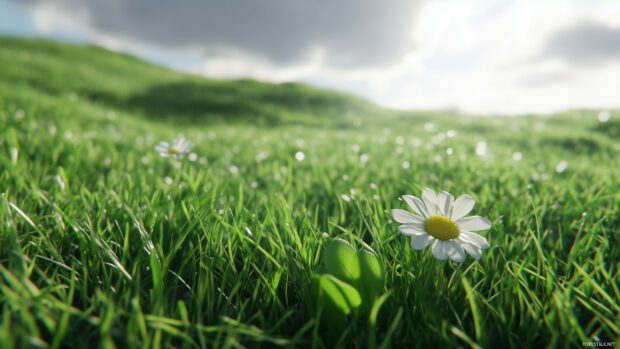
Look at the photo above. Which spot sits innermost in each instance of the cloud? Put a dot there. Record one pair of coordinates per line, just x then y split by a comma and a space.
348, 32
586, 43
479, 56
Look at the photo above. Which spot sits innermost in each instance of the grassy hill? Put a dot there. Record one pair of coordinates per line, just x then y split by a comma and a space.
121, 81
105, 243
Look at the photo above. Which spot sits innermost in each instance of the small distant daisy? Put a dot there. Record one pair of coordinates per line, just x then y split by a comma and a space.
439, 220
175, 149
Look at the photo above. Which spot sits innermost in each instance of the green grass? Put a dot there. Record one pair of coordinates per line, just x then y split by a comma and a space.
102, 242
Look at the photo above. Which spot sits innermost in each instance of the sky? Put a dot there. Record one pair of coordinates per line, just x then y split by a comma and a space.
477, 56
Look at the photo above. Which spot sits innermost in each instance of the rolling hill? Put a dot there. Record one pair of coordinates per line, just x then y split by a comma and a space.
95, 75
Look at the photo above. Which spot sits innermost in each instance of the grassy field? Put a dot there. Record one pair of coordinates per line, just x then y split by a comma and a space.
104, 242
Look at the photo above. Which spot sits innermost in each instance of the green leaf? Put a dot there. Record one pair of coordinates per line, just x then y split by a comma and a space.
336, 299
360, 269
158, 281
341, 261
338, 293
372, 274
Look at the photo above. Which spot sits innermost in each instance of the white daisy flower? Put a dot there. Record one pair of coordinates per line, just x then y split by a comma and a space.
440, 221
175, 149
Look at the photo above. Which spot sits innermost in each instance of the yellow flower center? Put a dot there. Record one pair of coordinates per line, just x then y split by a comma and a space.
173, 150
442, 228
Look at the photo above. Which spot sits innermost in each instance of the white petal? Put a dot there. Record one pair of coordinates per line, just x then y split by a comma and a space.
455, 251
474, 239
472, 250
462, 206
473, 223
416, 204
420, 242
411, 229
187, 146
440, 250
445, 201
430, 200
402, 216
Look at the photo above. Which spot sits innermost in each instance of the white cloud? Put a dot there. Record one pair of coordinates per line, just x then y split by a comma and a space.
482, 56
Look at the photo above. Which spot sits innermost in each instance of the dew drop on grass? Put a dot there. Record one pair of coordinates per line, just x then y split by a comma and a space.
481, 148
561, 166
261, 155
364, 158
19, 115
604, 116
14, 155
60, 182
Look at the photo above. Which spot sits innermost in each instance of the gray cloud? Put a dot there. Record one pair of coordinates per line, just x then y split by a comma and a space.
586, 43
352, 32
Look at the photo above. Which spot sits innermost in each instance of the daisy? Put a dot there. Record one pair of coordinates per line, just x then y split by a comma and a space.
439, 220
175, 149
